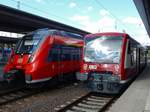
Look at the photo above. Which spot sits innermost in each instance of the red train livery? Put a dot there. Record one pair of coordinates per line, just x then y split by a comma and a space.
44, 54
110, 60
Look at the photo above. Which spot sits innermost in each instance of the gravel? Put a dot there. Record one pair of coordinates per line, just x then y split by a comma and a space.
49, 101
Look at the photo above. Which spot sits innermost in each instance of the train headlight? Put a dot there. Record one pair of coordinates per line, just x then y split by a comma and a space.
116, 68
92, 67
30, 58
85, 66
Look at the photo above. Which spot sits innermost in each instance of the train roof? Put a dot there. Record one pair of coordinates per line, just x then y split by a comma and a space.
60, 32
104, 33
111, 33
8, 39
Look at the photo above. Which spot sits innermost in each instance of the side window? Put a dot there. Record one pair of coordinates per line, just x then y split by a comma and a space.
133, 54
129, 48
70, 53
77, 54
141, 56
54, 54
65, 53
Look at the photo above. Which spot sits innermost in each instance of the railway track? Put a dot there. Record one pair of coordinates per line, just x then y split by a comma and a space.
15, 94
91, 102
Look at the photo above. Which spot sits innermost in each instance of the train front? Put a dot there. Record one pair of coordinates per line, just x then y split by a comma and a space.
23, 60
101, 62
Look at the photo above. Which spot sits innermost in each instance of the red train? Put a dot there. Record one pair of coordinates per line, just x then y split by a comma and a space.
110, 60
44, 54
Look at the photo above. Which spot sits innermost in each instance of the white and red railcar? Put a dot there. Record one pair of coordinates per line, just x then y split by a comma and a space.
110, 60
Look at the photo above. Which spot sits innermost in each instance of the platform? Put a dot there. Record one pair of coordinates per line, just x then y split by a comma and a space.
137, 97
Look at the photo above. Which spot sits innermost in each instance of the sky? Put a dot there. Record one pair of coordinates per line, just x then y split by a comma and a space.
89, 15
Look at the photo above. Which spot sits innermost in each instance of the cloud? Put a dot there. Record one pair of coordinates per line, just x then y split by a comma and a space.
72, 5
141, 36
107, 24
79, 18
90, 8
107, 21
103, 24
132, 20
85, 22
104, 12
138, 31
38, 0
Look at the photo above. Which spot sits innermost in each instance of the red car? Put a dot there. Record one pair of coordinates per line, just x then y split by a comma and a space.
110, 60
44, 54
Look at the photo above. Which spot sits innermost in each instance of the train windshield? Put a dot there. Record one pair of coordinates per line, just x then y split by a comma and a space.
103, 49
30, 42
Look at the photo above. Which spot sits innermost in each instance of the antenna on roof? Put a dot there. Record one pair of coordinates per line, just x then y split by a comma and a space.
124, 31
18, 4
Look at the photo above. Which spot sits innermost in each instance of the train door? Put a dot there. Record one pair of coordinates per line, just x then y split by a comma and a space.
59, 57
53, 60
63, 65
57, 54
138, 59
61, 61
131, 59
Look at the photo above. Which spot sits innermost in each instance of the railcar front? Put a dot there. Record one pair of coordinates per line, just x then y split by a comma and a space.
103, 62
24, 60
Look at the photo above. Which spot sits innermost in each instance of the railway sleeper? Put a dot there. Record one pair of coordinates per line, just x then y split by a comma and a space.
74, 111
97, 100
99, 97
78, 108
92, 103
89, 106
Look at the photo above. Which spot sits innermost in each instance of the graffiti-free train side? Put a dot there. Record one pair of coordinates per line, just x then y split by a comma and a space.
44, 54
110, 60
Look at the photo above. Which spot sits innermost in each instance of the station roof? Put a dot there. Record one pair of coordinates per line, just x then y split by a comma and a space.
8, 40
14, 20
143, 7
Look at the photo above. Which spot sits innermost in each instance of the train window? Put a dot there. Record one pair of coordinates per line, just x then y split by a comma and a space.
64, 53
129, 48
30, 42
133, 54
54, 54
103, 49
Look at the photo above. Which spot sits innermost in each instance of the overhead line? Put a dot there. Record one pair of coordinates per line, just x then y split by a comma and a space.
114, 16
45, 12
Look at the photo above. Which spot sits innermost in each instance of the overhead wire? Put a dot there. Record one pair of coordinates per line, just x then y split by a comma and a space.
42, 11
113, 15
